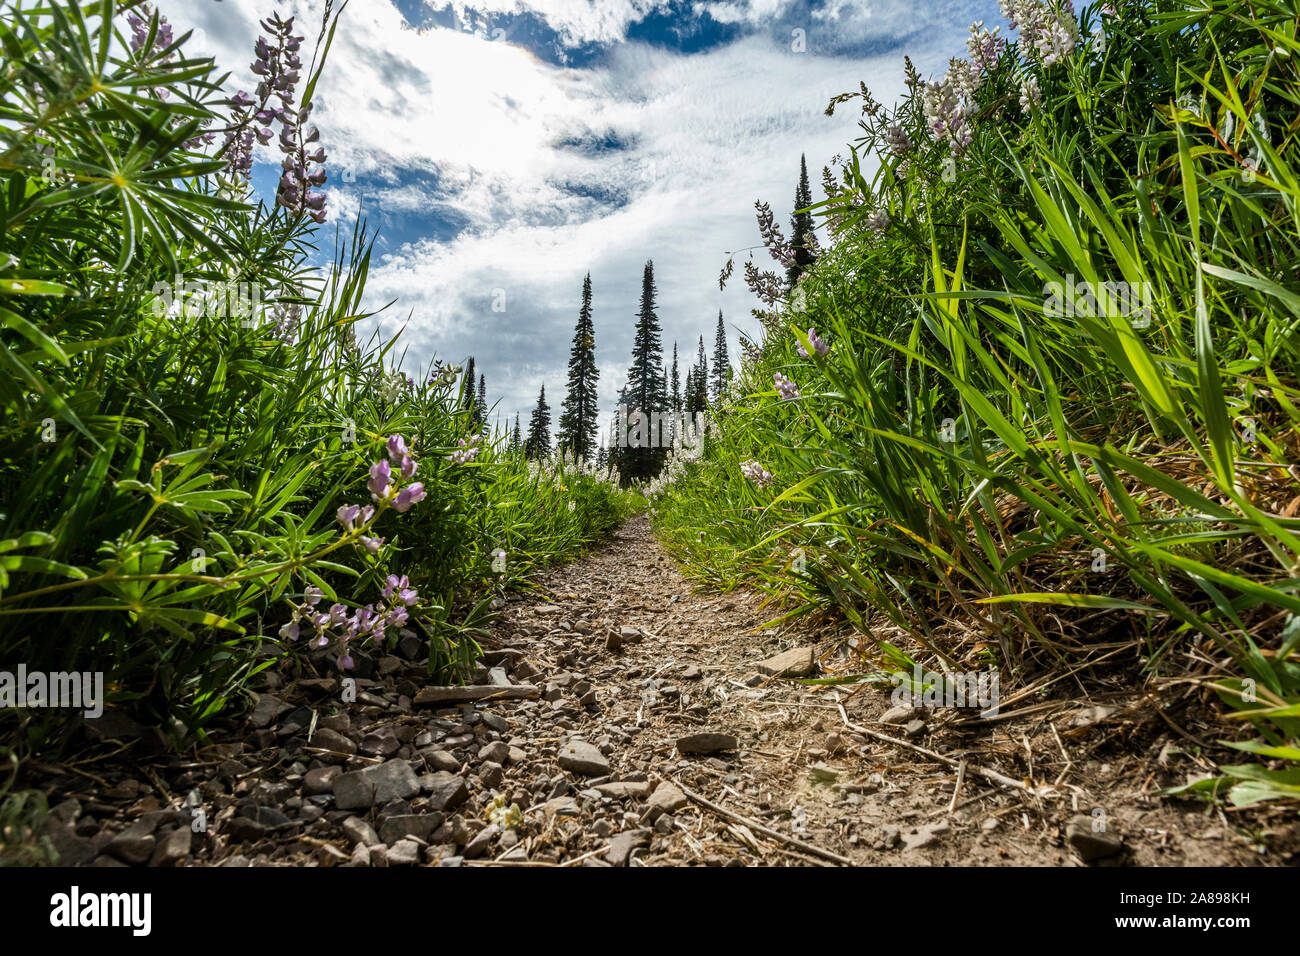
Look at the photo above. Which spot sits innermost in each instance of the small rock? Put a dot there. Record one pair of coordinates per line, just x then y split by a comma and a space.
482, 840
446, 791
267, 709
393, 780
404, 853
622, 789
336, 747
706, 743
900, 714
796, 662
667, 798
497, 752
622, 845
320, 780
582, 758
404, 825
1091, 845
359, 831
135, 844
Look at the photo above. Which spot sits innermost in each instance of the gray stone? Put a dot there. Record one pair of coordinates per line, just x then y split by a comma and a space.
382, 742
621, 845
706, 743
404, 853
796, 662
439, 759
446, 791
580, 757
482, 840
497, 752
1091, 845
336, 748
404, 825
667, 798
268, 708
320, 780
172, 848
622, 789
359, 831
392, 780
135, 844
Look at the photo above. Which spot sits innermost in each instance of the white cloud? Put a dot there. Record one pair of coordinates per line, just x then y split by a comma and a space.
707, 134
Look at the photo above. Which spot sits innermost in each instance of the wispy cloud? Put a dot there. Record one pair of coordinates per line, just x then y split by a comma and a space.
492, 172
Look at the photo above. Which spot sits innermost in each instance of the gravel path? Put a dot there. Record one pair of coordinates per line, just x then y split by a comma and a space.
627, 719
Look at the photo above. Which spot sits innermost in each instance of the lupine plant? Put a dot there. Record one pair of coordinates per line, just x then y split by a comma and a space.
1009, 481
192, 491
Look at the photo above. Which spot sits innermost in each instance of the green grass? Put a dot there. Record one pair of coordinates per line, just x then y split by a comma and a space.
1165, 447
170, 479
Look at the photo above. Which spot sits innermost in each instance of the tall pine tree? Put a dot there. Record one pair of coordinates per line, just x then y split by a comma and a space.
516, 443
538, 444
647, 388
677, 383
578, 419
468, 399
702, 378
480, 404
721, 364
801, 225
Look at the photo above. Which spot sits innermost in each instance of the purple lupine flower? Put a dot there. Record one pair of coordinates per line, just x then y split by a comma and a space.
346, 663
393, 583
397, 449
756, 473
290, 631
347, 516
380, 482
397, 616
371, 544
312, 595
410, 495
338, 614
785, 387
408, 467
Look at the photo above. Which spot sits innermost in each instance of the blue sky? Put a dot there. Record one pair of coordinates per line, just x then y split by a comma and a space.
504, 148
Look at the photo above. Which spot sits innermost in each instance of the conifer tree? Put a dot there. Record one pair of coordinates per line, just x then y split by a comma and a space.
538, 444
801, 225
702, 378
721, 364
516, 442
647, 388
676, 383
480, 404
578, 418
468, 399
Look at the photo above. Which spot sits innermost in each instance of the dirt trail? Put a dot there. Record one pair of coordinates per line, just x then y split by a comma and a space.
630, 666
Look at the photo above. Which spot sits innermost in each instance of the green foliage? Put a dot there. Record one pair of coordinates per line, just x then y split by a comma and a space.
996, 472
171, 465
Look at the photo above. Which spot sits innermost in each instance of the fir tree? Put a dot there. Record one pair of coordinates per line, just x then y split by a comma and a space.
578, 419
467, 386
538, 444
801, 225
702, 378
516, 442
647, 388
677, 383
480, 404
721, 364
